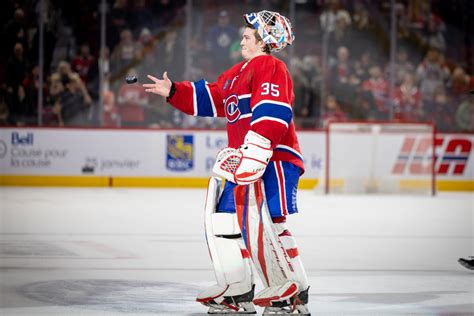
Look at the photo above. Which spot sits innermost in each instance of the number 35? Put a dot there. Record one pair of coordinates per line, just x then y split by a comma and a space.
270, 88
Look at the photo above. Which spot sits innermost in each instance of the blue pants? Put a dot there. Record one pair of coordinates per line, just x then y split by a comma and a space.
280, 181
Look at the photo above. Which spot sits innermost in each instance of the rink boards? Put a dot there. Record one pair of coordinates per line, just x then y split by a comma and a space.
184, 158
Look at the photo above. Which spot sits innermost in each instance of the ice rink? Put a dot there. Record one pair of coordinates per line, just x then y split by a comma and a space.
106, 251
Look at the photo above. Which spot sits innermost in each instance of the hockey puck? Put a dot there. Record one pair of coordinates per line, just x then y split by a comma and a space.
131, 79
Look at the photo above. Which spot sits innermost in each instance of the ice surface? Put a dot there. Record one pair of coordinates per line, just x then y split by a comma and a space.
101, 251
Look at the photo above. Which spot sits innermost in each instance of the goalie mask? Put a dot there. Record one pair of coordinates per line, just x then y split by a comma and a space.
274, 29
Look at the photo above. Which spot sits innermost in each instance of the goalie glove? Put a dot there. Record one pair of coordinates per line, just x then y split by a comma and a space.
246, 164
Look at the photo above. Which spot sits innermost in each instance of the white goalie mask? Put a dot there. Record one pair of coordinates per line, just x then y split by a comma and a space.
274, 29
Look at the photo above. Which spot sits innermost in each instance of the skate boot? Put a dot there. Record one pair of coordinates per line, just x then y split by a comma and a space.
222, 304
296, 305
467, 263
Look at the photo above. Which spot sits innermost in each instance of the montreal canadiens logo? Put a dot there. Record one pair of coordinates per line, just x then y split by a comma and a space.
232, 109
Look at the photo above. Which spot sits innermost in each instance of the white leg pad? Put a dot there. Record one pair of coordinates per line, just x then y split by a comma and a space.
289, 243
229, 256
260, 237
276, 268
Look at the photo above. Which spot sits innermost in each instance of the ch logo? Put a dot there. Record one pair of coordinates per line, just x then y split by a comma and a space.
232, 109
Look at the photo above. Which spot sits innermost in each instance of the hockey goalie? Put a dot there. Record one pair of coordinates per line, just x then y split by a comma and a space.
246, 219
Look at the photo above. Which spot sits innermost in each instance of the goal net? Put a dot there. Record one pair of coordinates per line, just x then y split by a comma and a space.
379, 157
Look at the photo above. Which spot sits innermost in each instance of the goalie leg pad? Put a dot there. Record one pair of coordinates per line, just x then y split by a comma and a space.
260, 239
289, 243
273, 257
229, 257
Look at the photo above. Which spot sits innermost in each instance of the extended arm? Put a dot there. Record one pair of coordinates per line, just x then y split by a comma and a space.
198, 98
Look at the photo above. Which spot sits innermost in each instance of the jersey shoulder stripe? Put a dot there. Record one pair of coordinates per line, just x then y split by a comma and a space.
204, 104
269, 118
288, 149
272, 110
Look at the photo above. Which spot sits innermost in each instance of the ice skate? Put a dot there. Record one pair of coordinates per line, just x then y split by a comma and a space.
236, 304
296, 305
467, 263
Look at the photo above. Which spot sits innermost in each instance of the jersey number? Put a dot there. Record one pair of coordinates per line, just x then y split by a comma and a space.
270, 88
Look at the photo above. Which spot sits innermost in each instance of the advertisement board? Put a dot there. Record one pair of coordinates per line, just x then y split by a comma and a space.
182, 156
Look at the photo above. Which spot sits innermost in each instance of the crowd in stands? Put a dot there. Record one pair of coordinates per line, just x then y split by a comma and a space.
340, 61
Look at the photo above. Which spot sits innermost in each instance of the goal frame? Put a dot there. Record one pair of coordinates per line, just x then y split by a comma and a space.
328, 147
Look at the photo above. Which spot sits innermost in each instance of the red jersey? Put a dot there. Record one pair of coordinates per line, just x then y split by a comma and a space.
255, 95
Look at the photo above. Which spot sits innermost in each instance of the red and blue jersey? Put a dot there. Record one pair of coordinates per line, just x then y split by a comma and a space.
255, 95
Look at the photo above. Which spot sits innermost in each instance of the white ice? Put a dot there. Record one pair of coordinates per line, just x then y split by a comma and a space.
104, 251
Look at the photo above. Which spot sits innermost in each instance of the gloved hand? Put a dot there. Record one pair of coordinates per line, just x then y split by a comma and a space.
246, 164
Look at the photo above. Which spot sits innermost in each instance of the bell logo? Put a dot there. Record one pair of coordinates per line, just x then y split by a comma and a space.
19, 139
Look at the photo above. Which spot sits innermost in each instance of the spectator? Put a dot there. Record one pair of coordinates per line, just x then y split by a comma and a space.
362, 66
132, 100
310, 77
461, 83
332, 111
166, 12
465, 114
15, 31
340, 72
118, 21
432, 27
141, 17
16, 70
340, 36
173, 49
110, 114
82, 63
361, 17
74, 101
364, 107
402, 66
93, 74
407, 100
379, 87
4, 113
361, 30
31, 86
146, 44
219, 39
330, 15
440, 111
52, 109
64, 72
431, 74
124, 53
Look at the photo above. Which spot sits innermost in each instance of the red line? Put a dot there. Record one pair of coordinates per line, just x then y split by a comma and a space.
281, 183
239, 193
261, 255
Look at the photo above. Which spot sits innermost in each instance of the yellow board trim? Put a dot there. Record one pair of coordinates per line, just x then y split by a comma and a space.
160, 182
450, 185
51, 181
172, 182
